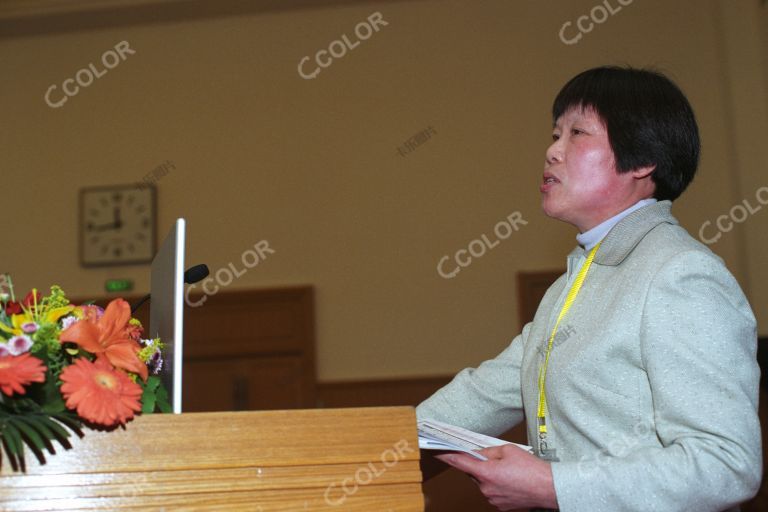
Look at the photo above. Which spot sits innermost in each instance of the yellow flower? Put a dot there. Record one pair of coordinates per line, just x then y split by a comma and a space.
47, 317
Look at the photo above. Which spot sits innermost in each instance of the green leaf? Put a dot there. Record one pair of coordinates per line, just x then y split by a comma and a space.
153, 396
59, 433
162, 400
38, 422
70, 421
148, 402
52, 400
153, 383
12, 437
32, 436
14, 445
54, 405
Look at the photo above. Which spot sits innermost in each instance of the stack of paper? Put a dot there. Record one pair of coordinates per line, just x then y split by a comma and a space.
436, 435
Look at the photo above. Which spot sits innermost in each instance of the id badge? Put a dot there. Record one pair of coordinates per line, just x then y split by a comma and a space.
548, 454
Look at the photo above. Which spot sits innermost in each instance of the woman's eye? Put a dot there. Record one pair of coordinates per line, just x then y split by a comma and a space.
576, 131
555, 136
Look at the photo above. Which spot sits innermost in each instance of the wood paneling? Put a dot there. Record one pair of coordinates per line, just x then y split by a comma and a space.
263, 461
250, 350
247, 350
24, 17
381, 392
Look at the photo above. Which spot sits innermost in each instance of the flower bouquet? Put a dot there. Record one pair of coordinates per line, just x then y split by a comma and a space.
64, 366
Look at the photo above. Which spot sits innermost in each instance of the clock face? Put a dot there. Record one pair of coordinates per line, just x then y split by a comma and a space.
117, 225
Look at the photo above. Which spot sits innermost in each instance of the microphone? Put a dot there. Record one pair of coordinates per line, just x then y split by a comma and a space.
191, 276
196, 273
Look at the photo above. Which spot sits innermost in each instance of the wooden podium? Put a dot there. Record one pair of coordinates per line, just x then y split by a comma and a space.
364, 459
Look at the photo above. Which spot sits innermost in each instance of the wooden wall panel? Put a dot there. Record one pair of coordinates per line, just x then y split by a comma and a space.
247, 349
259, 346
382, 392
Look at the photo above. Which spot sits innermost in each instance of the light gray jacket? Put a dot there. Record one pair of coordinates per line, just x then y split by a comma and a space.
652, 383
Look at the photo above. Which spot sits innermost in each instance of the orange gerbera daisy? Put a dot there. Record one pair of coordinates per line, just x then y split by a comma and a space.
18, 371
108, 337
100, 393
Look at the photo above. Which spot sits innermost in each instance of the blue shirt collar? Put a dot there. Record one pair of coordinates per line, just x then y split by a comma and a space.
590, 238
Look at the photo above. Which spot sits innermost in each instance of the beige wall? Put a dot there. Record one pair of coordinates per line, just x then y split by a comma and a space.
311, 165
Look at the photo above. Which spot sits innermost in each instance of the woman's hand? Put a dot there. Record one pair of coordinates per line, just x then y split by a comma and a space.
510, 479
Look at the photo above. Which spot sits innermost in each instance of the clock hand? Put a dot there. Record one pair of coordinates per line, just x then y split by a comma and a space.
101, 227
118, 221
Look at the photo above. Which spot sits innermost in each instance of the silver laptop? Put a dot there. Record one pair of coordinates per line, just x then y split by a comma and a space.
166, 314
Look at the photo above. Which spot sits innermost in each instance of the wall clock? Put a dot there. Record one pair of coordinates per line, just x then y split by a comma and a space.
118, 225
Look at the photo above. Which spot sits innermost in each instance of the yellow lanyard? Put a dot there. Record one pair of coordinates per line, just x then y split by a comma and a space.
575, 287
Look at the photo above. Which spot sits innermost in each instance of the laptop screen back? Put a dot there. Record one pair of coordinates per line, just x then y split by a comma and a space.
166, 317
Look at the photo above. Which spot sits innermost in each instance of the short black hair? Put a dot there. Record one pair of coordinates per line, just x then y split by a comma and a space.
648, 119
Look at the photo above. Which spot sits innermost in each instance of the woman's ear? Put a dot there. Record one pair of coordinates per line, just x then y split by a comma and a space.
643, 172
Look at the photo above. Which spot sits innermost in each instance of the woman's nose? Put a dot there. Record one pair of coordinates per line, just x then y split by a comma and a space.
554, 153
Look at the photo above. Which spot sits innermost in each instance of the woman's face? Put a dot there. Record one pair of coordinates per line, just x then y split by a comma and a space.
580, 184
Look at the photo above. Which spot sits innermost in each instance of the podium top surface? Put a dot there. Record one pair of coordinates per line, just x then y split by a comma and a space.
314, 459
234, 439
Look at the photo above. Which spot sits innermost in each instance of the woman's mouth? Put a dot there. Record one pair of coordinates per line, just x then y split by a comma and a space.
548, 181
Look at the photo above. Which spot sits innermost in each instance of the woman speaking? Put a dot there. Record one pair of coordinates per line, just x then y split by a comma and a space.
637, 378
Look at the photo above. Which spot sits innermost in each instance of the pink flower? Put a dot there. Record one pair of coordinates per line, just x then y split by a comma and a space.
29, 327
134, 331
19, 344
67, 321
92, 312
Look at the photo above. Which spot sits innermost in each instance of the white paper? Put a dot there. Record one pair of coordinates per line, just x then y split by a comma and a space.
436, 435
